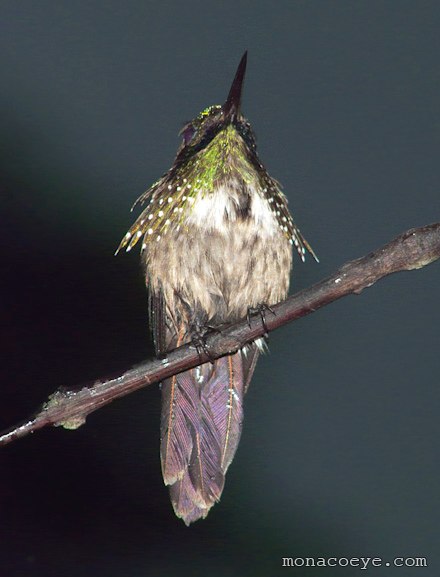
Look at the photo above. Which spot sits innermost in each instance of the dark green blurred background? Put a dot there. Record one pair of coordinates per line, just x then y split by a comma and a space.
339, 455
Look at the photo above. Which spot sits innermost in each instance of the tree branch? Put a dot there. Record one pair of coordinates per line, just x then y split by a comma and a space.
68, 408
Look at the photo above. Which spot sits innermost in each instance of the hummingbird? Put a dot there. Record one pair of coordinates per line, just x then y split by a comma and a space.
217, 239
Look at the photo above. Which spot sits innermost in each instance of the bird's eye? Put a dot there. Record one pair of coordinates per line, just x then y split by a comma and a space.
188, 133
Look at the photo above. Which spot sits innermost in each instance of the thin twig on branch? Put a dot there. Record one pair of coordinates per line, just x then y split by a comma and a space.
411, 250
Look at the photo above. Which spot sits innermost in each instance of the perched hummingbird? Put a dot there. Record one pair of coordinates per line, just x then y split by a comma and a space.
217, 242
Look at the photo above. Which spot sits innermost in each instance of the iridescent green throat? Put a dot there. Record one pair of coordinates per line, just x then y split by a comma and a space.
223, 161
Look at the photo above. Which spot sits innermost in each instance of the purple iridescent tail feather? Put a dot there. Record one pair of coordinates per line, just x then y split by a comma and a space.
202, 415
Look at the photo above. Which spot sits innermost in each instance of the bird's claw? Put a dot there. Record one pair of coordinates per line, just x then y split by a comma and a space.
261, 310
198, 339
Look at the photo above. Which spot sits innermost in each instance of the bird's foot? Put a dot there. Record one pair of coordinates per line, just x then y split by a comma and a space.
198, 339
261, 310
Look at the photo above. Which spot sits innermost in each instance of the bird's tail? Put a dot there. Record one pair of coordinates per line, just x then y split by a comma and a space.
202, 415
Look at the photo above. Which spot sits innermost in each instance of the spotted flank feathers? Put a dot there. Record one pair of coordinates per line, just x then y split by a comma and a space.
171, 203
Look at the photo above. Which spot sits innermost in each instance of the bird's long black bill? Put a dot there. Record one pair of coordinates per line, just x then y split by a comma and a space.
232, 103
